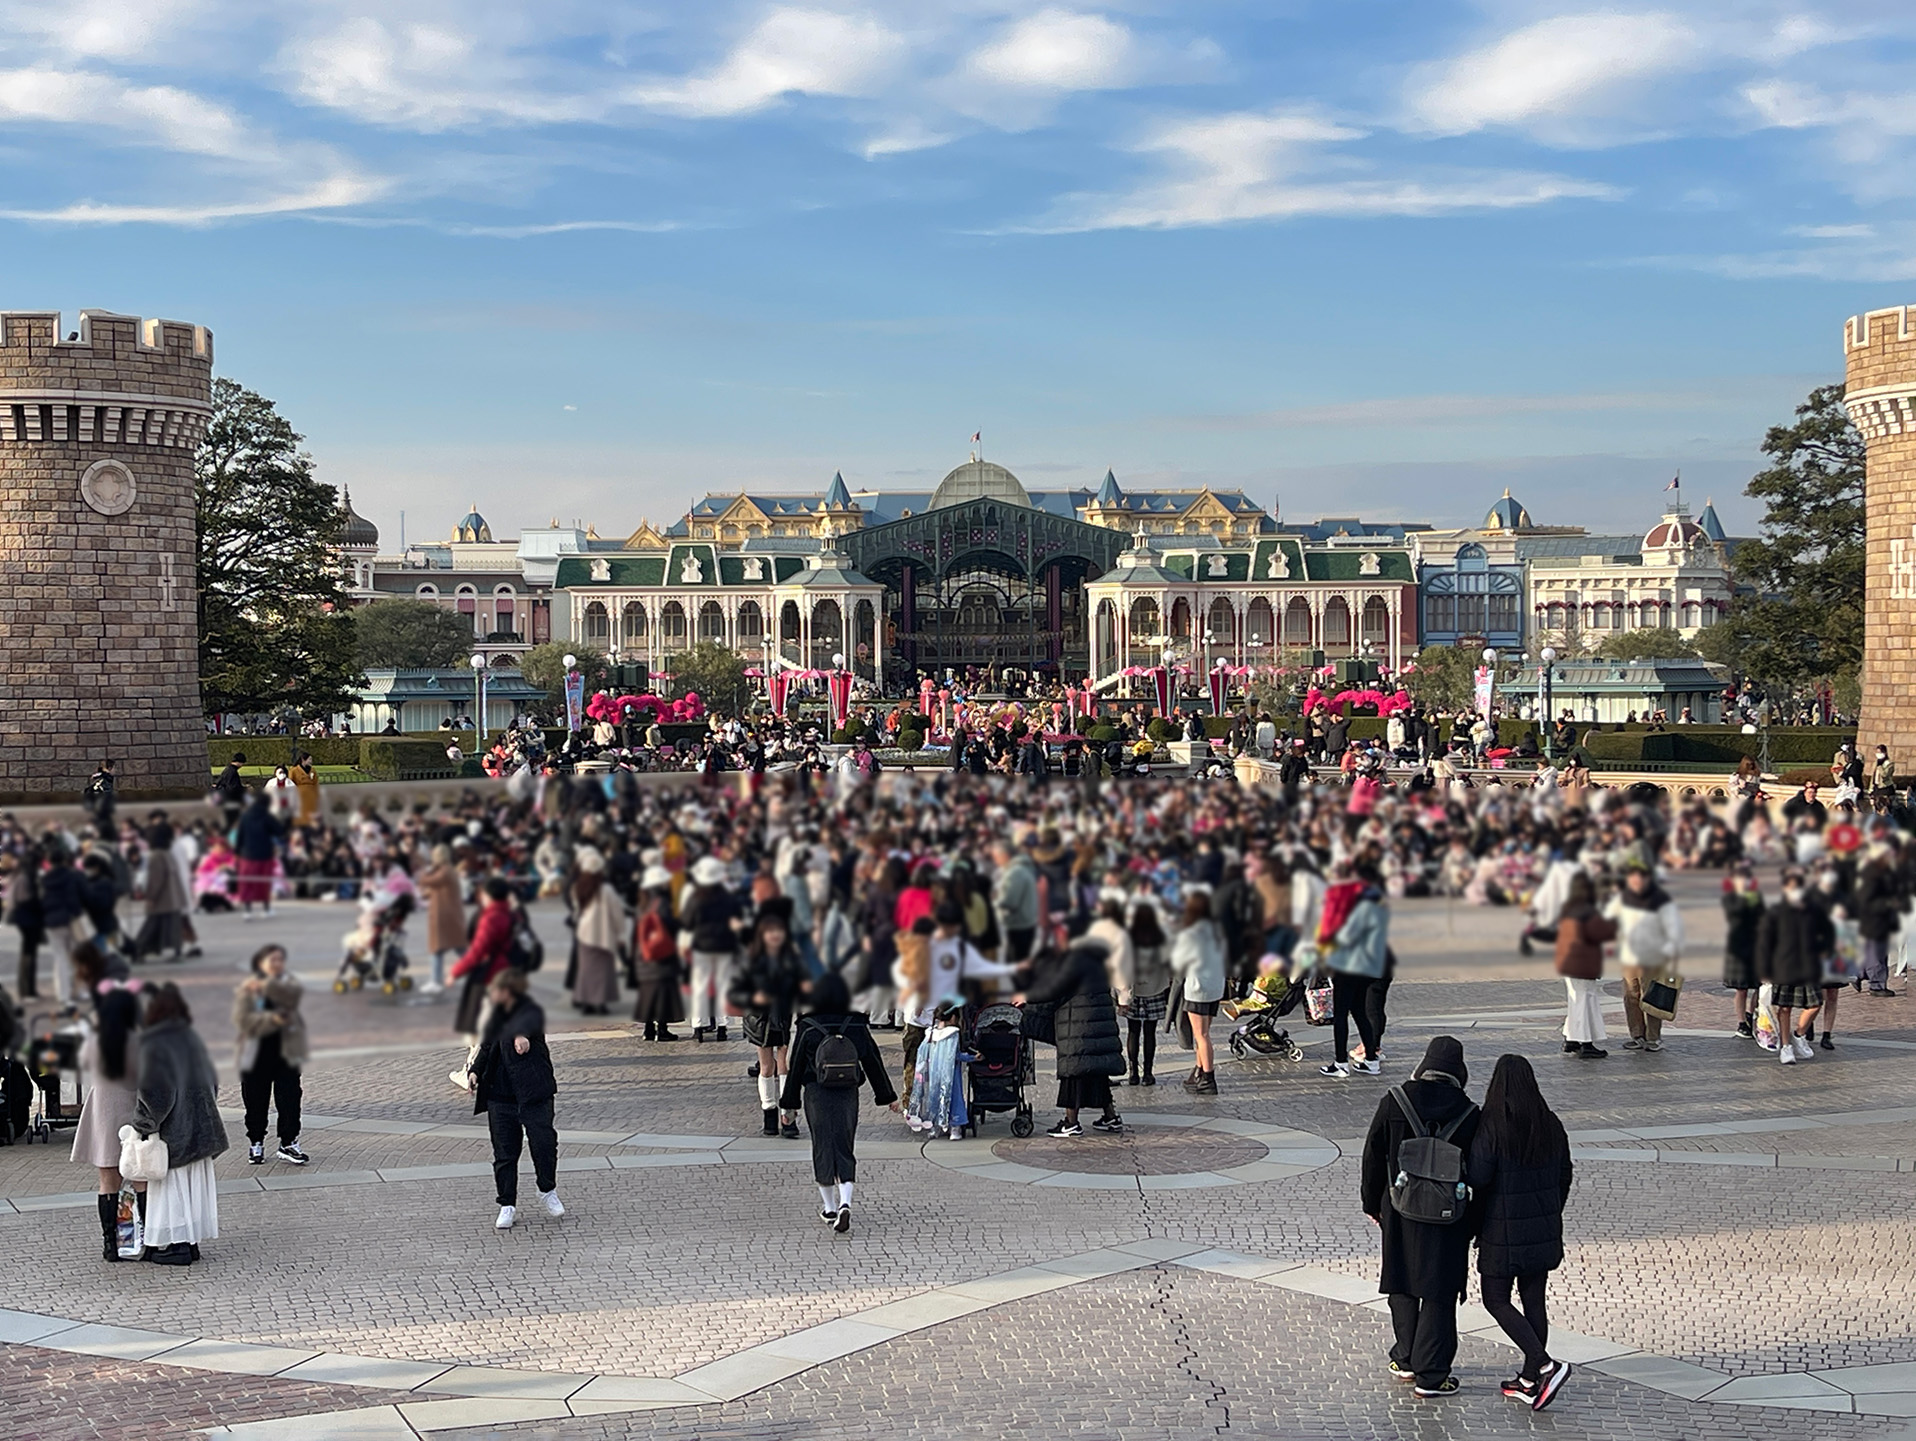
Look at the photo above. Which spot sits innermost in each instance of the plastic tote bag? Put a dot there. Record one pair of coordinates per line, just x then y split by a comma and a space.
1766, 1017
142, 1158
132, 1230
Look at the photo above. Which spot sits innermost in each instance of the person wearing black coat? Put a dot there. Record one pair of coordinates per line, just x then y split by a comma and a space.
1877, 904
1792, 940
832, 1113
513, 1085
765, 990
1520, 1171
1424, 1266
1084, 1030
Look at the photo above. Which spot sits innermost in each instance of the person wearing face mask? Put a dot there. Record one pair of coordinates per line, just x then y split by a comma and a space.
1791, 940
1742, 914
1649, 943
1882, 775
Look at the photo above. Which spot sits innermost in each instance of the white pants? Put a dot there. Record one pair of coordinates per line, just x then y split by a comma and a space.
60, 938
711, 979
1583, 1022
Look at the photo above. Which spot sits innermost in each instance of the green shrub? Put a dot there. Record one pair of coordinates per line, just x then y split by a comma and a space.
1161, 730
910, 738
272, 751
1102, 733
845, 736
387, 759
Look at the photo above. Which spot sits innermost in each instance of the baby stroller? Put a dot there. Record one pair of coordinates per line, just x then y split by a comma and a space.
1003, 1069
1257, 1030
53, 1058
374, 947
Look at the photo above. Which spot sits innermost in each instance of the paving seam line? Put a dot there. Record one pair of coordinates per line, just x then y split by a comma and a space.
488, 1392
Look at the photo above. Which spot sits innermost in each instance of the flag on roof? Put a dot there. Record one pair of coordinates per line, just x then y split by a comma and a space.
1676, 482
976, 435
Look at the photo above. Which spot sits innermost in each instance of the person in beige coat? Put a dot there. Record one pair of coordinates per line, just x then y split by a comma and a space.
600, 927
110, 1071
446, 935
272, 1048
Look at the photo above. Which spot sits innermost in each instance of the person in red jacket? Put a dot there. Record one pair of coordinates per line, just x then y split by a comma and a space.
489, 954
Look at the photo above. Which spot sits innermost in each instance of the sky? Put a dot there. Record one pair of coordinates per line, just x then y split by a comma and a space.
587, 261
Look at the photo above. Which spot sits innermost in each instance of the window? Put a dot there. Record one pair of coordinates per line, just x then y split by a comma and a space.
1376, 621
751, 624
1337, 624
598, 625
1503, 613
712, 622
1297, 622
1440, 614
632, 621
1144, 618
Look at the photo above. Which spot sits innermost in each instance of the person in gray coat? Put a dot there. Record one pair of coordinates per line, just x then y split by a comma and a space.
179, 1101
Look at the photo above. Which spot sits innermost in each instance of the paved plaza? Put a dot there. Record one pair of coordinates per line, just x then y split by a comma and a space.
1742, 1243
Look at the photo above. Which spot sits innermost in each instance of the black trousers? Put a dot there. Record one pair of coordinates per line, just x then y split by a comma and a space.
508, 1124
1019, 942
1426, 1336
1528, 1329
1374, 1000
1350, 998
1142, 1039
275, 1081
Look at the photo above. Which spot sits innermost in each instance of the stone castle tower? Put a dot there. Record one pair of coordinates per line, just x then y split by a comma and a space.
98, 429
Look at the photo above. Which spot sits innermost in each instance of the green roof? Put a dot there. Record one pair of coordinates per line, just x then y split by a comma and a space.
1344, 564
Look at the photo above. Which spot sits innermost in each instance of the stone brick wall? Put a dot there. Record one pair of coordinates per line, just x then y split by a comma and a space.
98, 614
1880, 349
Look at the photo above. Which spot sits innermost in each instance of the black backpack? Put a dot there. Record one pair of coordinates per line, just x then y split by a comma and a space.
1429, 1186
526, 952
836, 1063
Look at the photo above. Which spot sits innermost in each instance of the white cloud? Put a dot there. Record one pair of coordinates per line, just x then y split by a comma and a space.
1059, 50
158, 115
99, 29
1278, 165
791, 51
331, 193
1564, 69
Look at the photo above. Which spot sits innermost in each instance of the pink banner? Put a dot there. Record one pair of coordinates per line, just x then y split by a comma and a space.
777, 684
1220, 688
839, 683
1161, 682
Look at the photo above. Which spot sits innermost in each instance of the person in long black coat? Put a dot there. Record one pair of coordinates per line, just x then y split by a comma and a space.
832, 1114
513, 1085
1085, 1031
1520, 1173
1424, 1266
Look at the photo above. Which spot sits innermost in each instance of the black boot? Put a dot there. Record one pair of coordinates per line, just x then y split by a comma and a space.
1206, 1084
139, 1200
109, 1226
771, 1120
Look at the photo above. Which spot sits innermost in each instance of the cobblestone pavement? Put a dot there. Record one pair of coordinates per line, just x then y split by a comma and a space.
1727, 1260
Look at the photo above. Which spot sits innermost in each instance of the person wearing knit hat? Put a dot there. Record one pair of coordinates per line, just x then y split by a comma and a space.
1425, 1265
656, 957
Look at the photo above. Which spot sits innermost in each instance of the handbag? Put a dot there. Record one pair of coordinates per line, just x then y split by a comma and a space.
1318, 1003
1660, 996
142, 1158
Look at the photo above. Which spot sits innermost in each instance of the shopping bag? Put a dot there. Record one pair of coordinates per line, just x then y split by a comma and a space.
1660, 996
142, 1158
132, 1230
1766, 1017
1317, 1000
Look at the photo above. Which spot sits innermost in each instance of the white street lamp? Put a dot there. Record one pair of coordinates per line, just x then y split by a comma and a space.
478, 664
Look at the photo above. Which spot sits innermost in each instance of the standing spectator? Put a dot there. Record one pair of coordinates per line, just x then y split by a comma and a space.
1792, 939
26, 913
306, 781
1742, 914
179, 1101
1197, 959
1356, 927
1085, 1032
489, 954
438, 886
656, 958
598, 918
168, 898
765, 991
833, 1054
62, 903
272, 1048
231, 790
712, 914
1520, 1174
1150, 995
256, 842
110, 1069
1424, 1264
514, 1085
102, 796
1878, 908
1014, 895
1581, 932
1649, 942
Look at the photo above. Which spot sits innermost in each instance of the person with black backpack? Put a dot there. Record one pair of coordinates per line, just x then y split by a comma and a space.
832, 1055
1416, 1188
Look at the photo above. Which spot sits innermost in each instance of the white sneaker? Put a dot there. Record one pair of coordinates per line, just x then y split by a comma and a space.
507, 1215
554, 1206
1786, 1054
1368, 1068
1804, 1050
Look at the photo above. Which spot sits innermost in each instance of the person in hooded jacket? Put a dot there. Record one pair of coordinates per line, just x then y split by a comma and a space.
513, 1085
1085, 1031
1424, 1267
1520, 1172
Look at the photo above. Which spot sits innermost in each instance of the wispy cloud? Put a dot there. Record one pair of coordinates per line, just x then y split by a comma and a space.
1435, 410
789, 52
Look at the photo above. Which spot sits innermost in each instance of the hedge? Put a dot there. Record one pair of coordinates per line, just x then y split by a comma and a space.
278, 750
388, 759
1719, 745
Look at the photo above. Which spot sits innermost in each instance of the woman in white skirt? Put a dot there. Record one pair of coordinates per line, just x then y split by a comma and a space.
179, 1099
1581, 932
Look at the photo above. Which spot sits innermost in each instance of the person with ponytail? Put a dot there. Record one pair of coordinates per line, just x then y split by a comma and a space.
110, 1070
1520, 1173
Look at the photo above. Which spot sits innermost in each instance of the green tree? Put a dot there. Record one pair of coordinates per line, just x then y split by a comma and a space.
411, 634
1445, 678
716, 673
1646, 644
1804, 621
274, 629
544, 666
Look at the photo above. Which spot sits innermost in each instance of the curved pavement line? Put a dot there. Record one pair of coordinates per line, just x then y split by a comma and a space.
445, 1398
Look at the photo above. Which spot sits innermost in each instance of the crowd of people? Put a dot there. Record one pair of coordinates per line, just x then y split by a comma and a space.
804, 909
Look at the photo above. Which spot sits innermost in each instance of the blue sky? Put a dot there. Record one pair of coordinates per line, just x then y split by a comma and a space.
1382, 257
